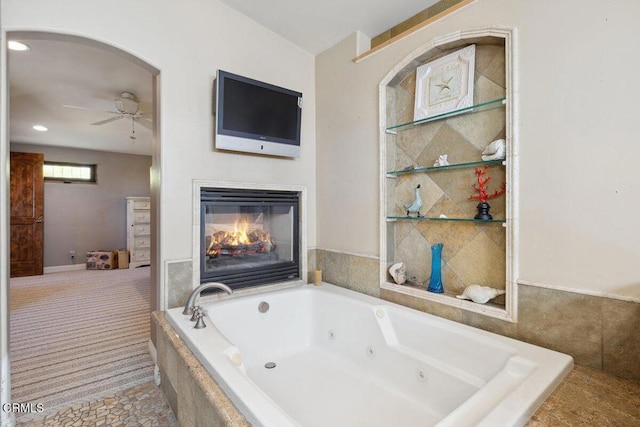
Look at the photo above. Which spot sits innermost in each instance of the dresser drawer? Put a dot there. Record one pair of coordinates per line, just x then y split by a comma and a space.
142, 217
141, 230
141, 204
141, 242
140, 255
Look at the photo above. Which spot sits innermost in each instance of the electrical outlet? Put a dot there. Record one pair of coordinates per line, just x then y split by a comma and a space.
72, 255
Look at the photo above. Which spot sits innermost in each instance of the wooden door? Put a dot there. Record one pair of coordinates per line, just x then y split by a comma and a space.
27, 214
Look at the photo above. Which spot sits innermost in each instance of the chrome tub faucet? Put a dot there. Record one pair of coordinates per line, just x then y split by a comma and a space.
191, 302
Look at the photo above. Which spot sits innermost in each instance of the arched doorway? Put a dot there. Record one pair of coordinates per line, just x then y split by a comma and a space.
154, 152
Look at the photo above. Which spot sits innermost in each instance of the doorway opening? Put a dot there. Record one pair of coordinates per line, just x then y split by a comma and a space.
100, 105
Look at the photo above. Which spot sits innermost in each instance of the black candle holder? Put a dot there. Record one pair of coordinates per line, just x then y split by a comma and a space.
483, 211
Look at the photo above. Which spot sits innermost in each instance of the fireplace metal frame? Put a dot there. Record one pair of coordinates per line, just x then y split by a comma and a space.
252, 276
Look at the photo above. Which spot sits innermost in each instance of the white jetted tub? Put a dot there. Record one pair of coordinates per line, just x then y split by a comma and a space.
327, 356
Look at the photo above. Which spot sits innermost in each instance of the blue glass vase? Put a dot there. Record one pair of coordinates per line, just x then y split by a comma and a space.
435, 281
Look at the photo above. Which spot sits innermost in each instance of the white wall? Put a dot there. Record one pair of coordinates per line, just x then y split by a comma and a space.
579, 196
188, 41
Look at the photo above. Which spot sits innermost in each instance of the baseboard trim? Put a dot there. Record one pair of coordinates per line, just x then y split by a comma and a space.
63, 268
349, 253
600, 294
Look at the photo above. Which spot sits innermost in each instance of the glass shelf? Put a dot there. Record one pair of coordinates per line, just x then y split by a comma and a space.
426, 218
451, 166
484, 106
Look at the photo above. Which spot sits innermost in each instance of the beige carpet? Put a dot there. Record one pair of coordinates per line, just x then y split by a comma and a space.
79, 336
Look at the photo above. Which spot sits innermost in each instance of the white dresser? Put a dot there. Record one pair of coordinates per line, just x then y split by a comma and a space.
139, 230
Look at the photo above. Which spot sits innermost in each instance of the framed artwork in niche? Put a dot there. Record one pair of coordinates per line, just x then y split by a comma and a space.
446, 84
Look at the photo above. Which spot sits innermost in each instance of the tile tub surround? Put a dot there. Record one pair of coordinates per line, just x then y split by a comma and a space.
195, 398
238, 324
598, 332
585, 397
355, 272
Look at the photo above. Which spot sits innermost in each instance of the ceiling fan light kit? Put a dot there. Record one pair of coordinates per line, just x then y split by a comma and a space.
127, 103
127, 106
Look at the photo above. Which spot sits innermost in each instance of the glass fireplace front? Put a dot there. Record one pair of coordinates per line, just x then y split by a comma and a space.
249, 237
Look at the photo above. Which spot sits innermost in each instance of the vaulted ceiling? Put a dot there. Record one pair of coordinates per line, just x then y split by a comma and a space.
56, 75
317, 25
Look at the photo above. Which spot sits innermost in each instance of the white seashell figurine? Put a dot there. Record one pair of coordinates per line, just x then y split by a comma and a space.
442, 160
479, 294
494, 151
399, 272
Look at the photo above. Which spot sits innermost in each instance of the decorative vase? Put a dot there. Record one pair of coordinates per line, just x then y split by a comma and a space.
435, 281
483, 211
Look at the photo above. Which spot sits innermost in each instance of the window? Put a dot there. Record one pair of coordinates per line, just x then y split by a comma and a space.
69, 172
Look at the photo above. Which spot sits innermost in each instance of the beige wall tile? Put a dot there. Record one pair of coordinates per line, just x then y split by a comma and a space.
336, 268
562, 321
490, 62
429, 193
170, 394
490, 324
414, 251
186, 396
311, 264
446, 141
444, 311
205, 413
480, 262
363, 275
621, 338
454, 235
179, 282
172, 360
402, 299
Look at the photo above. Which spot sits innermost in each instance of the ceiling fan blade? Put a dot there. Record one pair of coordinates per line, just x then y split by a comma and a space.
146, 123
102, 122
80, 108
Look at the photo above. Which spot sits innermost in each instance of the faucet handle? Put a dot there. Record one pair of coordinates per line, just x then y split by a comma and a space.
200, 321
195, 310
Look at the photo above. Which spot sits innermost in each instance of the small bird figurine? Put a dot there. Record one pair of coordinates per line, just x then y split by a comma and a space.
416, 204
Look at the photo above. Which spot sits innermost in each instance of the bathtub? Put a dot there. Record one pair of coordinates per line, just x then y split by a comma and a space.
326, 356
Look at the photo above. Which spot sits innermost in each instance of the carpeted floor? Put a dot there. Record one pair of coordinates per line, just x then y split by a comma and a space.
78, 336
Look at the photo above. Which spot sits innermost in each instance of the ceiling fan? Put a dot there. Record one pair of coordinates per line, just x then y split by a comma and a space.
127, 107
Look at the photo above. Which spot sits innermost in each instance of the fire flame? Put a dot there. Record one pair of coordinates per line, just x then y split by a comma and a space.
239, 234
240, 240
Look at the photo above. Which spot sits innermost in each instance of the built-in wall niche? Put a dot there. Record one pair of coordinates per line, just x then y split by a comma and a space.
479, 252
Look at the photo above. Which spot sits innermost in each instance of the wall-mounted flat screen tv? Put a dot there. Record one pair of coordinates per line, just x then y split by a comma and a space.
256, 117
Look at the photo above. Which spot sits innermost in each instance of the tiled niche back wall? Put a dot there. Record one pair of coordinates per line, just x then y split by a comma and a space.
472, 253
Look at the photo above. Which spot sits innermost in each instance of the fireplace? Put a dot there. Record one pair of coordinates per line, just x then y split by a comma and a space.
249, 237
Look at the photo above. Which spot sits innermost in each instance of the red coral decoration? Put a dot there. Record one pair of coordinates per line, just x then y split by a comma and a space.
481, 187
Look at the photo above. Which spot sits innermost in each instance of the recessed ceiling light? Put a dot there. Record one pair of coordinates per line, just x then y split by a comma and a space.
19, 46
40, 128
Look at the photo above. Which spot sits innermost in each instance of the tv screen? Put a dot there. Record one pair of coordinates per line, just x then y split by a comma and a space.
257, 117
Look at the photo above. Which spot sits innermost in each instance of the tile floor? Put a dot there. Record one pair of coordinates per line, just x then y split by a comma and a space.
586, 398
144, 405
590, 398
